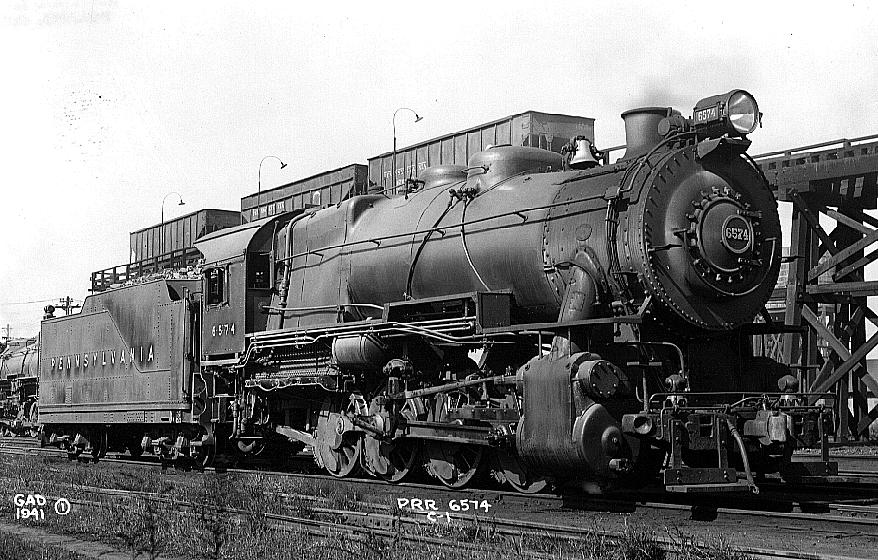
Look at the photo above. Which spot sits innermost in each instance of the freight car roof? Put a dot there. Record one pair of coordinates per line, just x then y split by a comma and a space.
206, 211
557, 116
321, 179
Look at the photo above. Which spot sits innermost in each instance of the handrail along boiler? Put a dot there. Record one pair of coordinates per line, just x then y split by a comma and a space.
534, 315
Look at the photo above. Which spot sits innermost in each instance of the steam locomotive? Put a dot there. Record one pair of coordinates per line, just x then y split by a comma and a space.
533, 315
19, 371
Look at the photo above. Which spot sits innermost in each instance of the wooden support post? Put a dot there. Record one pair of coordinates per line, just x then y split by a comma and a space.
853, 267
800, 248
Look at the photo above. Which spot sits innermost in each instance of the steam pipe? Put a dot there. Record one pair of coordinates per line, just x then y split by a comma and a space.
578, 303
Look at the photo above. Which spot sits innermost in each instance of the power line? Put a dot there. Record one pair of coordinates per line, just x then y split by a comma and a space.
30, 302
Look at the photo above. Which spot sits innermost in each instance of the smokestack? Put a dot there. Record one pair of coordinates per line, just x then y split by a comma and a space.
641, 129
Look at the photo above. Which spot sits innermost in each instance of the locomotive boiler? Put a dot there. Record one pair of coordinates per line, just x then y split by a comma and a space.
534, 316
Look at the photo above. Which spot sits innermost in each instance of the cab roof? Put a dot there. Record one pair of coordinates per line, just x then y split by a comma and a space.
228, 243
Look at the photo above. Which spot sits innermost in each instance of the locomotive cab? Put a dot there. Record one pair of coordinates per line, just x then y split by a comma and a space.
238, 287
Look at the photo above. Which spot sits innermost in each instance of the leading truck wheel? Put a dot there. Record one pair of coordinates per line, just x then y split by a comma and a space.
455, 465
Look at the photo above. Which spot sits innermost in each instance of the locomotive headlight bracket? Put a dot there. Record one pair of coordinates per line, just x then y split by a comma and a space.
735, 113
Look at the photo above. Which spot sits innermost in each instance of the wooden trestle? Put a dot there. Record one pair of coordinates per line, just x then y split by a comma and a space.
831, 183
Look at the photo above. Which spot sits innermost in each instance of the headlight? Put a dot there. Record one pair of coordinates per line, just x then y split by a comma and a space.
743, 112
735, 113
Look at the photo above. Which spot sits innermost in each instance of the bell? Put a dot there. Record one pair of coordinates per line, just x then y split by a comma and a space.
583, 157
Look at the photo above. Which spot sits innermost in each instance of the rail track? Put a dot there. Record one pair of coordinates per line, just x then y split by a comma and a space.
840, 501
830, 512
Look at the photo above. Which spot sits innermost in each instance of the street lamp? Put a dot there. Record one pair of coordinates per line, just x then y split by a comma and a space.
181, 203
393, 163
259, 192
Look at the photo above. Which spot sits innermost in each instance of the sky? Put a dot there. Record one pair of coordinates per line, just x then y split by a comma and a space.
109, 106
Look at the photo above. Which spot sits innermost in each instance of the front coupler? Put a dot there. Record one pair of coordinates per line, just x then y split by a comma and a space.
700, 440
697, 442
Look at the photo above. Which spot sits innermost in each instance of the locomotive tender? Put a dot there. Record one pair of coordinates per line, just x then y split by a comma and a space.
533, 314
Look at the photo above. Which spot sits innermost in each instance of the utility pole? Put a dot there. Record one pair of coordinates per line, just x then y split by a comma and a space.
67, 305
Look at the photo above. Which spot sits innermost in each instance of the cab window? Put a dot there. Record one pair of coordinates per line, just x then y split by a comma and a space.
259, 271
216, 286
